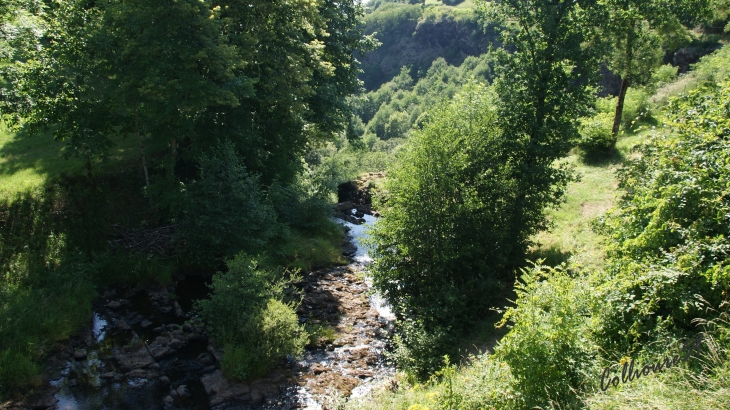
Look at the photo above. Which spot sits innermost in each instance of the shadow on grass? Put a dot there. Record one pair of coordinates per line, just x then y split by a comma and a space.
552, 255
603, 160
41, 154
53, 254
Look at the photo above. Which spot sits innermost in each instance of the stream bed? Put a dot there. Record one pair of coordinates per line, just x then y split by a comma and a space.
141, 352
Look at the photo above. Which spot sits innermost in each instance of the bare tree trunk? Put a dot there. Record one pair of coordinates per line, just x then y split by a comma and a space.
624, 81
173, 144
88, 171
141, 150
620, 106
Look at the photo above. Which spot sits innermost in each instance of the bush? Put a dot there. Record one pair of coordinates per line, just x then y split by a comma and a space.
549, 349
245, 315
596, 141
225, 210
668, 240
637, 108
664, 75
418, 350
440, 242
132, 269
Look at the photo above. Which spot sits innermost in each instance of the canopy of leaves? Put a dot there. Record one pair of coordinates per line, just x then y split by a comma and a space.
542, 89
439, 239
270, 76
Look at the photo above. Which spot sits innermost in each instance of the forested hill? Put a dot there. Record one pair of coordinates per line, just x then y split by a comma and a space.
414, 35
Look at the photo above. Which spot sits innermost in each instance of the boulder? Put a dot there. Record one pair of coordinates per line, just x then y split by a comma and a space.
143, 374
123, 325
219, 389
134, 359
344, 206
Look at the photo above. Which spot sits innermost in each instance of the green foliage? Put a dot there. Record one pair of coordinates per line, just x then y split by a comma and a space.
636, 33
225, 210
549, 349
132, 269
664, 74
450, 181
542, 88
20, 28
297, 250
53, 255
320, 335
271, 77
400, 105
596, 140
245, 315
417, 350
668, 240
702, 387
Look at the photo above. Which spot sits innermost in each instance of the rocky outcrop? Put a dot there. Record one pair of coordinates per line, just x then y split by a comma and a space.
355, 197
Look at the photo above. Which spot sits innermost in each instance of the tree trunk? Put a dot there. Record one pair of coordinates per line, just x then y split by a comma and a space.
624, 81
141, 150
173, 144
620, 106
88, 171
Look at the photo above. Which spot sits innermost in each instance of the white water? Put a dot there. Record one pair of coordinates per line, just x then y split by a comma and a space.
362, 259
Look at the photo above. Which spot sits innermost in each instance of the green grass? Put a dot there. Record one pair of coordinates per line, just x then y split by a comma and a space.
586, 200
28, 161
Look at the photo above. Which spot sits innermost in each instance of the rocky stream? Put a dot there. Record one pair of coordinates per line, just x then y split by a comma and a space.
141, 352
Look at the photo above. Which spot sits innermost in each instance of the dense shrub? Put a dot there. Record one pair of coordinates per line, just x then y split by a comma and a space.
440, 242
596, 141
245, 315
669, 236
550, 350
225, 211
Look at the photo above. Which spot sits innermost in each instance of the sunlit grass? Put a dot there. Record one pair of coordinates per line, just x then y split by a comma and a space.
27, 162
585, 200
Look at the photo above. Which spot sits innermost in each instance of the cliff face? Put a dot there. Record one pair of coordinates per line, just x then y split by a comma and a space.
417, 42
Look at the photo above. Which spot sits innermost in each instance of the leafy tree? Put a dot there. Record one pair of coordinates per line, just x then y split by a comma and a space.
437, 243
134, 68
62, 86
224, 209
301, 55
21, 27
163, 52
270, 76
638, 30
542, 89
473, 185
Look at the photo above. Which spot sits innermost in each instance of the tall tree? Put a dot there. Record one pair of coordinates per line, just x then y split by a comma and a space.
542, 88
132, 67
473, 186
170, 62
270, 76
639, 31
301, 57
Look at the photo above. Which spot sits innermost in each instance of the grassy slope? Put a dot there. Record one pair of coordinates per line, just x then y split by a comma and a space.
572, 236
29, 161
586, 200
